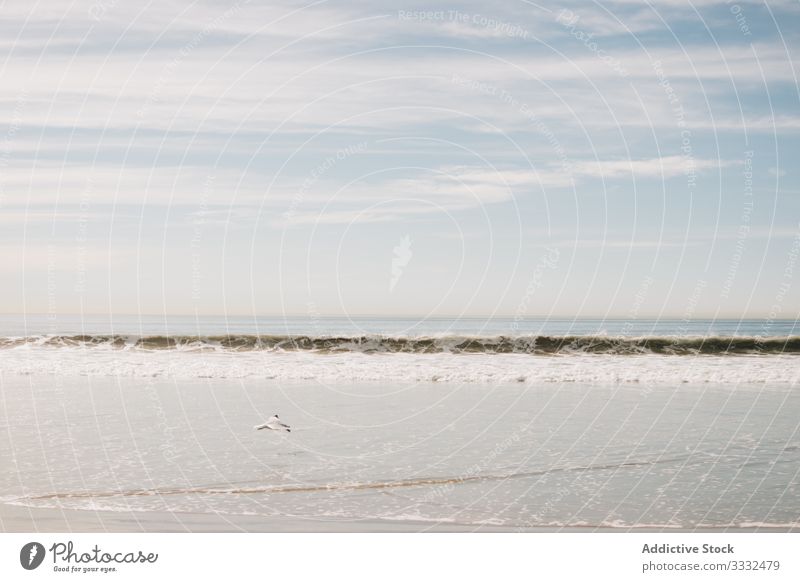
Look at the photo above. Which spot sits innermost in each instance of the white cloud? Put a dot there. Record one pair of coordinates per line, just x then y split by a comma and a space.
665, 167
60, 256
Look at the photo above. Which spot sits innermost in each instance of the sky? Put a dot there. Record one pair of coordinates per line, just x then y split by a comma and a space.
609, 159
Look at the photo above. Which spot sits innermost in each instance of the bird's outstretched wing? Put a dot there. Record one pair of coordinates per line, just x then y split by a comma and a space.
274, 423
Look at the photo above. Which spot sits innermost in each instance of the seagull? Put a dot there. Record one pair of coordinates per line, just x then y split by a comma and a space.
274, 423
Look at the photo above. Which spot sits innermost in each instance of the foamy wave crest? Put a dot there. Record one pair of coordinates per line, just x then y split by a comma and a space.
453, 344
482, 368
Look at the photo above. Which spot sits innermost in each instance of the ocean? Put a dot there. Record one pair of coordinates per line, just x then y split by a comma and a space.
507, 424
397, 349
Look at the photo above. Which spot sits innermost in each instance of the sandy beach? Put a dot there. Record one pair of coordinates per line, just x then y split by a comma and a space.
27, 519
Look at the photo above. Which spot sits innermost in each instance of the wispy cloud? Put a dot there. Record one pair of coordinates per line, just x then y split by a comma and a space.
666, 167
178, 117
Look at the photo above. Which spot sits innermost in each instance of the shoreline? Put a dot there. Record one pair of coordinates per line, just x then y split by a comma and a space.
396, 459
22, 519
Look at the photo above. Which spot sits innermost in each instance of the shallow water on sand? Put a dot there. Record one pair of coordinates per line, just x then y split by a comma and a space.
510, 455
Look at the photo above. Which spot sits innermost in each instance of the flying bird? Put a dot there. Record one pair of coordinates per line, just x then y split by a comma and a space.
274, 423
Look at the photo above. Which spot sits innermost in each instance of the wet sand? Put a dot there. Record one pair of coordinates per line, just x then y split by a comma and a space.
18, 519
25, 519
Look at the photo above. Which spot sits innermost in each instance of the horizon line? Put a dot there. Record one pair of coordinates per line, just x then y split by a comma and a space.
644, 317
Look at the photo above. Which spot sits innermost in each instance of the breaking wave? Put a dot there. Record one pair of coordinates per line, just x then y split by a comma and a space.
453, 344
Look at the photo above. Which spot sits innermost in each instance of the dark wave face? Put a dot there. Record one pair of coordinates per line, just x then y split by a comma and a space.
536, 345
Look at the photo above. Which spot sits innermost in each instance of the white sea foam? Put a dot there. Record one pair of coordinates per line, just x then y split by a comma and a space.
406, 367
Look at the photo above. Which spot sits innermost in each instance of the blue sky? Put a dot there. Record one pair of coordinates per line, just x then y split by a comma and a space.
619, 158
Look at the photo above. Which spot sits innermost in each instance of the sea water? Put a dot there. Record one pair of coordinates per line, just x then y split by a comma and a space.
452, 429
